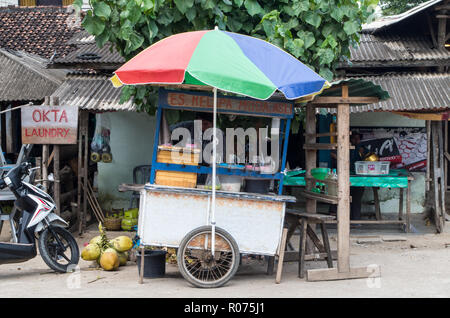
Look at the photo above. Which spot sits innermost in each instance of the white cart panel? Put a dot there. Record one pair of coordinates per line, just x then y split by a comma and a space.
166, 217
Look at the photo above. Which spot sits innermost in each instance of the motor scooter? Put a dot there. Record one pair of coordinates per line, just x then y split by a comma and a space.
34, 220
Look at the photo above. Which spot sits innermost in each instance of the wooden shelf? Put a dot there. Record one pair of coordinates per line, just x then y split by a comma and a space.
320, 197
321, 146
327, 181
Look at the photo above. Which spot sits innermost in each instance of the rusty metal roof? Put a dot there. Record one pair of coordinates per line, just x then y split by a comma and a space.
411, 92
396, 48
91, 92
24, 77
388, 21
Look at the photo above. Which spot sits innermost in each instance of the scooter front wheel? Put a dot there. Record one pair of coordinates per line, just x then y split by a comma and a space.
58, 249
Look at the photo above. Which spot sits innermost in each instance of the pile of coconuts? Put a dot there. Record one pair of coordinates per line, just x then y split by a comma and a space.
109, 254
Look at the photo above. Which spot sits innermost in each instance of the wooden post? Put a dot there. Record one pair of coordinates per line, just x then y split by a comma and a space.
311, 155
446, 152
82, 170
141, 274
281, 256
343, 171
427, 173
54, 101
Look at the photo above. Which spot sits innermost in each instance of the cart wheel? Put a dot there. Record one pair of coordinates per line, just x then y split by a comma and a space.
202, 269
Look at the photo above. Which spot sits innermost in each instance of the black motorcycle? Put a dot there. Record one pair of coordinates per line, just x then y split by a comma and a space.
34, 219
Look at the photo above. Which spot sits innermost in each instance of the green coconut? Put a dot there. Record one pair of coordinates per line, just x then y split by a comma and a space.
122, 243
109, 260
123, 257
96, 240
91, 252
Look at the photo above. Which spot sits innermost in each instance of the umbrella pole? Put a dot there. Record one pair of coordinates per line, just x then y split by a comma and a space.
213, 201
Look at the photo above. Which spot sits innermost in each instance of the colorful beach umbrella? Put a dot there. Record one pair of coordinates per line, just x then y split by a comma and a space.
227, 61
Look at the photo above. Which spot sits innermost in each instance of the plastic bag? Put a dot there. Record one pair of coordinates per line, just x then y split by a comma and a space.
100, 145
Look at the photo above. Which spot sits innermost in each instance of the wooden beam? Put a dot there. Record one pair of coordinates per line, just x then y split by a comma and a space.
314, 275
344, 100
430, 27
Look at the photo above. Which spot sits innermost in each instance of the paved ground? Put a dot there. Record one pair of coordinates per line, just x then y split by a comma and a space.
416, 266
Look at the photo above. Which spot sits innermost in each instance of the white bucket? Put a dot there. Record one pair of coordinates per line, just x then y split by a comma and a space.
230, 183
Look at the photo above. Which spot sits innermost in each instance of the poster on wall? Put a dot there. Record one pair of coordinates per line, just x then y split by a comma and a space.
403, 147
49, 125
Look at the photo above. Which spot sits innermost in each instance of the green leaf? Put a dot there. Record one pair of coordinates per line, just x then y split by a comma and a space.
191, 13
234, 25
307, 37
101, 9
135, 41
351, 27
93, 24
78, 4
148, 5
102, 38
184, 5
337, 14
326, 73
253, 7
165, 18
326, 56
313, 18
238, 2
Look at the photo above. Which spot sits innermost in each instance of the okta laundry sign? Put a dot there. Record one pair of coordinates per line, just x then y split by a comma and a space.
49, 125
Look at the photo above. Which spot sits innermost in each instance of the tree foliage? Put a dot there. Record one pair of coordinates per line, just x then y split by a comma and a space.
317, 32
391, 7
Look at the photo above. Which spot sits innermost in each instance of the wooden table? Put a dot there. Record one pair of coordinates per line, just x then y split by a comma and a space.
396, 179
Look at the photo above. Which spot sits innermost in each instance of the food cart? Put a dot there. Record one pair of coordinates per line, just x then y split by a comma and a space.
211, 228
248, 223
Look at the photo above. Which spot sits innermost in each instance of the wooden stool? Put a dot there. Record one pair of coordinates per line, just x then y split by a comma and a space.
303, 220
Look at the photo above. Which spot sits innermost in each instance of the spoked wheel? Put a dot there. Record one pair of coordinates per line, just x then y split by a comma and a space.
58, 249
197, 264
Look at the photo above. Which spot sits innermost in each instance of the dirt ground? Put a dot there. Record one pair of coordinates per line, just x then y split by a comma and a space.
413, 265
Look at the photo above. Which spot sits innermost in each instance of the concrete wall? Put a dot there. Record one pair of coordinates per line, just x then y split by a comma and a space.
131, 144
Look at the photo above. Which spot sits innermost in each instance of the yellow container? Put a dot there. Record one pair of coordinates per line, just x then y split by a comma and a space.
180, 156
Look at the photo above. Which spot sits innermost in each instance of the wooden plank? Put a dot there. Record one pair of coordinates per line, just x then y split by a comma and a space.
328, 134
344, 100
343, 171
321, 146
435, 176
369, 222
323, 274
442, 185
292, 256
281, 256
377, 203
427, 173
320, 197
400, 205
310, 156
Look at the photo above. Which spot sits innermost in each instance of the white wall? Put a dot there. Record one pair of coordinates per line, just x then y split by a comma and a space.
383, 119
131, 144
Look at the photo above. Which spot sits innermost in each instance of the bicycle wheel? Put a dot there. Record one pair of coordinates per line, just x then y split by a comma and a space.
197, 264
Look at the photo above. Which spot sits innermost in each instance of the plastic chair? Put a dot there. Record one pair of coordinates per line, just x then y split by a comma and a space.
141, 175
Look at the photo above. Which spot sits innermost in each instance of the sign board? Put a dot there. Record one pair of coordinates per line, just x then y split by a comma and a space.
49, 125
403, 147
198, 101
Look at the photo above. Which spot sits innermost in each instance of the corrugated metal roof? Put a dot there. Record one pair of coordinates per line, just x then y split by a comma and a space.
388, 21
396, 48
411, 92
95, 93
24, 77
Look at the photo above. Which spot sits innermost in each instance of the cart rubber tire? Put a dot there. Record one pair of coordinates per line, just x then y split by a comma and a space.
211, 284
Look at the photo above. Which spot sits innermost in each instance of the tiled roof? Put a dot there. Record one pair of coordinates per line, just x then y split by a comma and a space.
87, 54
91, 92
24, 77
38, 30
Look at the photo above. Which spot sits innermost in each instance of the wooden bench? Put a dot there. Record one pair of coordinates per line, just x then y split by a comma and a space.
304, 220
